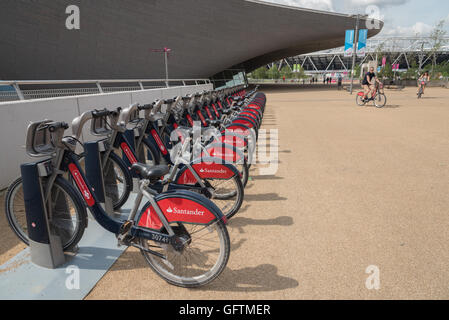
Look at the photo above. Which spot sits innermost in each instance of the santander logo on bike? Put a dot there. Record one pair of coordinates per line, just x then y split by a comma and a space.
159, 141
81, 185
205, 170
195, 212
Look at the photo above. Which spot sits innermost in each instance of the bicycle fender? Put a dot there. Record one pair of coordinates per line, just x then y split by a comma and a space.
225, 152
245, 121
233, 139
181, 206
239, 128
206, 168
155, 149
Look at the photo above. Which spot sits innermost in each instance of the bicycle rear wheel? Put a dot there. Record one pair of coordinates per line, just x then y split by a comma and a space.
360, 101
203, 258
146, 155
117, 181
69, 216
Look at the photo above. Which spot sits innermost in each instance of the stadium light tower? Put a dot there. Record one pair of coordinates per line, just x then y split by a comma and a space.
356, 42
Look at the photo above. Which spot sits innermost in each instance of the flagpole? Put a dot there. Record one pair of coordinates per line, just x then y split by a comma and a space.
354, 51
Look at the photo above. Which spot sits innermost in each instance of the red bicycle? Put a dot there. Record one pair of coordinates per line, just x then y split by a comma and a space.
421, 89
378, 97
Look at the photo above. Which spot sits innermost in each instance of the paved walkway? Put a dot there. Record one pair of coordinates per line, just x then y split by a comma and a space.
355, 187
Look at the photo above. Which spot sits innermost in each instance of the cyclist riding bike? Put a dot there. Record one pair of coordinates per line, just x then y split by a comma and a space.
369, 82
422, 82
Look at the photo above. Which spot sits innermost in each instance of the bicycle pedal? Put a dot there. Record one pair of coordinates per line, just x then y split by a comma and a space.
126, 227
125, 240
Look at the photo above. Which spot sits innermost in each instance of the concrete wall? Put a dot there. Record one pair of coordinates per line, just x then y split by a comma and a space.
16, 116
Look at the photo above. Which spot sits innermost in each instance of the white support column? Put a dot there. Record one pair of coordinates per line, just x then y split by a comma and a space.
343, 64
313, 64
18, 91
406, 60
286, 61
99, 87
330, 63
280, 65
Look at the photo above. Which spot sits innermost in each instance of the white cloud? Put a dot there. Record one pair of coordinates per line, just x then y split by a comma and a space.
419, 28
379, 3
326, 5
330, 5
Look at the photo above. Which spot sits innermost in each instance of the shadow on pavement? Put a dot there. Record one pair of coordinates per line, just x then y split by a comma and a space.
243, 222
268, 177
263, 278
264, 197
8, 239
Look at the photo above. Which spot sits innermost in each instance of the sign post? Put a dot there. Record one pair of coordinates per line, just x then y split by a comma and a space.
354, 52
355, 46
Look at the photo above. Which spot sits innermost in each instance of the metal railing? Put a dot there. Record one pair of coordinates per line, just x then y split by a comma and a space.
40, 89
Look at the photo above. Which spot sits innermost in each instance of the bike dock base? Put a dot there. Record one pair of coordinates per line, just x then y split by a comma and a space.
22, 280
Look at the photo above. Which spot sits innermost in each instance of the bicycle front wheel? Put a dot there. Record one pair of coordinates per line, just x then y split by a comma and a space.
228, 194
244, 171
203, 258
68, 214
380, 101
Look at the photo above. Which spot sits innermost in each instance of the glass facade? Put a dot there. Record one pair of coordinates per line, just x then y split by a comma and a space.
229, 78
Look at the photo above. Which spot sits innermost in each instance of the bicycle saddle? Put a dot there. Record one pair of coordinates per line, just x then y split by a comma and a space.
150, 172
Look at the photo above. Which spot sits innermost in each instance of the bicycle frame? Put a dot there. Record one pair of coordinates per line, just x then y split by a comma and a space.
117, 139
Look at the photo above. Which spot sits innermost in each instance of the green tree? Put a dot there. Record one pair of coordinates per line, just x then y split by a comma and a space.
260, 73
437, 41
286, 72
301, 74
387, 71
273, 73
357, 71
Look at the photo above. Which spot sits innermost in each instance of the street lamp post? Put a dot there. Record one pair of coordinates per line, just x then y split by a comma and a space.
166, 52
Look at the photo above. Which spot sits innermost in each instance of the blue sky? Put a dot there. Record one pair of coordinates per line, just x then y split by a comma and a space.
401, 17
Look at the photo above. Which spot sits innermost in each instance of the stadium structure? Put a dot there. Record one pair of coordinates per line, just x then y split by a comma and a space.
405, 51
116, 40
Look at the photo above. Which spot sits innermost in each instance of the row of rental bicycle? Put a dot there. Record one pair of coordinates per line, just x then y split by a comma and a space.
179, 167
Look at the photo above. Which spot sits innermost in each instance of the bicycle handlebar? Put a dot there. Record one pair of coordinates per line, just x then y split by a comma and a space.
100, 113
53, 127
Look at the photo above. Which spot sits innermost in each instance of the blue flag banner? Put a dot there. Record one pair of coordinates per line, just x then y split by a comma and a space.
361, 47
349, 43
